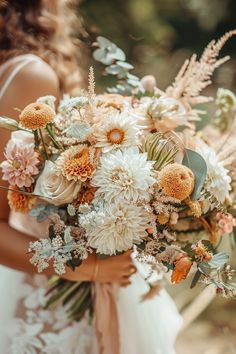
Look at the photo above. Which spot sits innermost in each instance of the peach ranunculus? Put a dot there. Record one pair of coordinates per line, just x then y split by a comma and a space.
53, 187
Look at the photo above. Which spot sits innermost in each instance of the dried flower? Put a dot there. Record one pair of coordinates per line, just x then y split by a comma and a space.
195, 74
195, 207
226, 109
36, 115
20, 202
163, 218
117, 132
201, 252
111, 100
181, 270
177, 181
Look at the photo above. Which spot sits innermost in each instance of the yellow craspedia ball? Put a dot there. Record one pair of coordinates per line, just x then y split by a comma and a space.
177, 181
36, 115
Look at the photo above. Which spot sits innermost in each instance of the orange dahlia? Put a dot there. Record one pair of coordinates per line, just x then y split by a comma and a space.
36, 115
20, 202
177, 181
182, 267
78, 163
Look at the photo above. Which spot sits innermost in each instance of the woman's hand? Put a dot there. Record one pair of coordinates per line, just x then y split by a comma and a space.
115, 269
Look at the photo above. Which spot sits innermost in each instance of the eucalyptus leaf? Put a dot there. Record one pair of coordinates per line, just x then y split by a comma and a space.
133, 77
217, 261
124, 65
196, 163
103, 56
113, 70
37, 210
119, 54
103, 42
42, 216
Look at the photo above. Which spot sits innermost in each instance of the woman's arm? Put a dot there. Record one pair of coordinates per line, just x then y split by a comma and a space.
35, 80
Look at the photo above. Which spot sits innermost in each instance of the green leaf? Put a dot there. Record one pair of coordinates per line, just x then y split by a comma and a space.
124, 65
196, 278
217, 261
114, 70
103, 42
196, 163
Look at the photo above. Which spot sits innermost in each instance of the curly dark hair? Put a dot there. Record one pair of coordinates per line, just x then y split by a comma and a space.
43, 28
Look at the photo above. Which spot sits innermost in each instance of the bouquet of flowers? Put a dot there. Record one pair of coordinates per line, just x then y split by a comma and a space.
126, 170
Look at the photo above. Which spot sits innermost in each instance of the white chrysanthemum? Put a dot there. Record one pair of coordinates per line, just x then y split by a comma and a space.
218, 180
117, 131
116, 228
124, 175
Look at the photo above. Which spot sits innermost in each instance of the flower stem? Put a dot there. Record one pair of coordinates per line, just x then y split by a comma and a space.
43, 142
51, 135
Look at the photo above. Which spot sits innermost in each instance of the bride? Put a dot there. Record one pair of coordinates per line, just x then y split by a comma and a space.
38, 58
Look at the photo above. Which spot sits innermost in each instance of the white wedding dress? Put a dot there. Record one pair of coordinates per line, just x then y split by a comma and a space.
149, 327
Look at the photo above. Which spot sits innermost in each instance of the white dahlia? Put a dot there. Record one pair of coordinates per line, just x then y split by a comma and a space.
124, 175
218, 181
117, 227
119, 130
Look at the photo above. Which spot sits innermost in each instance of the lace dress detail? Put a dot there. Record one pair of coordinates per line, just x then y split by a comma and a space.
35, 330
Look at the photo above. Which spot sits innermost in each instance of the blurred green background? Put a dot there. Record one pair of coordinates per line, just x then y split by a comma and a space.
158, 35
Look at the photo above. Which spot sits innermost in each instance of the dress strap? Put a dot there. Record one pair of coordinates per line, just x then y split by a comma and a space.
21, 61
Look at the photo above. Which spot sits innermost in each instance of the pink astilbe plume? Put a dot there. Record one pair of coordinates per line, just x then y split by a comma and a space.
20, 165
195, 74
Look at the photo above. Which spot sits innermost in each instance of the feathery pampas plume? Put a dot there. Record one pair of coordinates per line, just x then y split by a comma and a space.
195, 74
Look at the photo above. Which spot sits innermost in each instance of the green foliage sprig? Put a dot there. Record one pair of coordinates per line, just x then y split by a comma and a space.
114, 58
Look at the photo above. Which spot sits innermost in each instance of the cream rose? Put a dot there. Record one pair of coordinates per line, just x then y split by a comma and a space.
54, 187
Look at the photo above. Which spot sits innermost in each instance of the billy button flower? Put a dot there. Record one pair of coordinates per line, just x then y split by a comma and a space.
36, 116
177, 181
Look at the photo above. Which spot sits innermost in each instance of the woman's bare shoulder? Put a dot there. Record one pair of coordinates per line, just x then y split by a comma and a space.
35, 79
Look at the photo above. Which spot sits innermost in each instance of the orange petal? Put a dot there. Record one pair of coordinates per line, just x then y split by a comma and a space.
181, 270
